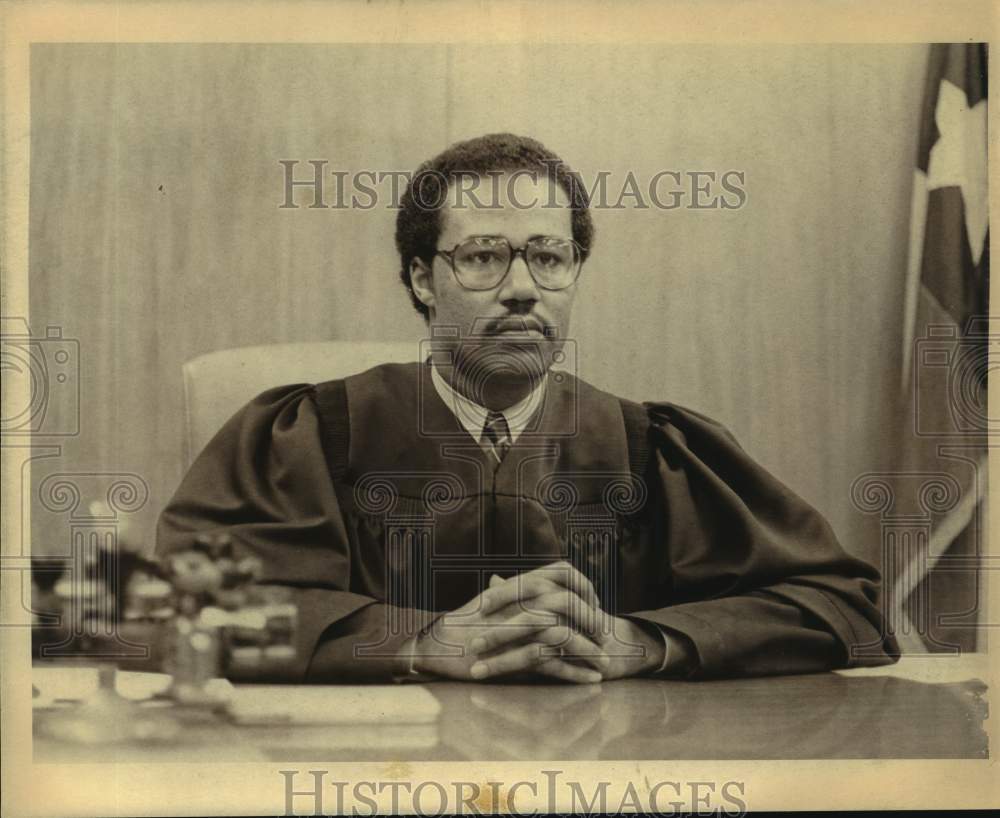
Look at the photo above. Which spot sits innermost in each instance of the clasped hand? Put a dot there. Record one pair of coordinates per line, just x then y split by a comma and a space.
547, 622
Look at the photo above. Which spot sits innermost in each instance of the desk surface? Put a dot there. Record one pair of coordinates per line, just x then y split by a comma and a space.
931, 707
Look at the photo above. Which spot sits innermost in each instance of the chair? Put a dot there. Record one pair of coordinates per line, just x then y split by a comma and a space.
219, 383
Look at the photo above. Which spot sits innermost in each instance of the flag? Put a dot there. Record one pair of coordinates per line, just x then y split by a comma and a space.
932, 575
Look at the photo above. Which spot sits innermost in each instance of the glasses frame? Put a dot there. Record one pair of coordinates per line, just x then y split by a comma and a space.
449, 255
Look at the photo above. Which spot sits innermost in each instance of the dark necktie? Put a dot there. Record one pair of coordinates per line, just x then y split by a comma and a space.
496, 431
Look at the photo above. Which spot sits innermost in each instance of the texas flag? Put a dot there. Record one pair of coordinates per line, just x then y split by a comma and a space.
933, 581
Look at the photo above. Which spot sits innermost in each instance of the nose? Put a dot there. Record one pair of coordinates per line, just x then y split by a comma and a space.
519, 285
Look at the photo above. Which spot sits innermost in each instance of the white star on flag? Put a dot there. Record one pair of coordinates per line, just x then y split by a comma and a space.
958, 159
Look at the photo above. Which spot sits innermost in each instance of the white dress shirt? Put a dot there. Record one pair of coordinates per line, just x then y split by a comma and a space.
472, 416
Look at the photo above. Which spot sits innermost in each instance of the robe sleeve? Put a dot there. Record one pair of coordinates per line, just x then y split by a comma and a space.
750, 574
263, 479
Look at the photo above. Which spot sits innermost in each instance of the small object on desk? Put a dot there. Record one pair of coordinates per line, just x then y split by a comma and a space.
227, 624
198, 614
193, 660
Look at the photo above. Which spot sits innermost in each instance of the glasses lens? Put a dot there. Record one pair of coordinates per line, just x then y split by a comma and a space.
482, 262
553, 261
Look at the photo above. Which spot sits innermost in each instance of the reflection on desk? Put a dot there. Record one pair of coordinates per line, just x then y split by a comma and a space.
832, 715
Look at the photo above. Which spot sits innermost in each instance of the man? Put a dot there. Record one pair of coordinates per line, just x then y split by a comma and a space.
482, 515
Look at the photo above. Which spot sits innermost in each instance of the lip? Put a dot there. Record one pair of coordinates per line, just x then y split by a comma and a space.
520, 326
520, 333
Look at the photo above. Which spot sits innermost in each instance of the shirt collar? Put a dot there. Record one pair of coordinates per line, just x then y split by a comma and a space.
472, 416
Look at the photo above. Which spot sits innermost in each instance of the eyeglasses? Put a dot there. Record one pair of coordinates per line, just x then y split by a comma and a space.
482, 262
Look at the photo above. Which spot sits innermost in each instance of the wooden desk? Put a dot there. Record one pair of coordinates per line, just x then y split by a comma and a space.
931, 707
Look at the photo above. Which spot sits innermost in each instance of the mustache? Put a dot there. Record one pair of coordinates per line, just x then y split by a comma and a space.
512, 323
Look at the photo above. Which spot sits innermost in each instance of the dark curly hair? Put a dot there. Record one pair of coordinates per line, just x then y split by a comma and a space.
418, 223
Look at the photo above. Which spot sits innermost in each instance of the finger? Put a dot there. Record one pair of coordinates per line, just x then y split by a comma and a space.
557, 607
522, 586
569, 576
574, 610
574, 645
529, 626
558, 669
509, 625
558, 573
537, 594
522, 657
513, 660
478, 605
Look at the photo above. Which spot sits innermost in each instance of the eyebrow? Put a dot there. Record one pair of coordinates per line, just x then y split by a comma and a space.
483, 236
500, 236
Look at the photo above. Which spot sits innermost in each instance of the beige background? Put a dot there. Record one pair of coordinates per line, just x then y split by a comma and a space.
782, 319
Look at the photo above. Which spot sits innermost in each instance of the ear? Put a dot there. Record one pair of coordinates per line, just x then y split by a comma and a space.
422, 281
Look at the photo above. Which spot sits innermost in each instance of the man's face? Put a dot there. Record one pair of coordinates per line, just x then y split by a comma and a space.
517, 324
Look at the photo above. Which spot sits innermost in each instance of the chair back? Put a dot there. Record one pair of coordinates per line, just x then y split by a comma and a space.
216, 385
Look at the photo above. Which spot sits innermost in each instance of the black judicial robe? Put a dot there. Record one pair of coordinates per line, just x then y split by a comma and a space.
368, 498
